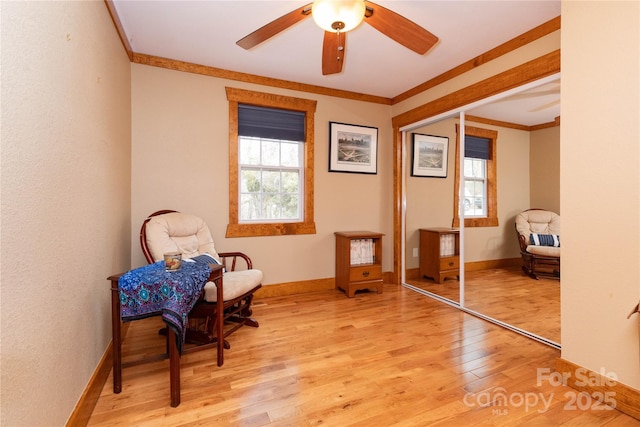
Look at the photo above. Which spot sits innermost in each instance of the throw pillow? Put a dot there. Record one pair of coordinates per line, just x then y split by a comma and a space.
545, 239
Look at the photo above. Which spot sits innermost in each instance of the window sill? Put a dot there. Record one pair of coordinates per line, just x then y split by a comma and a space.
270, 229
476, 222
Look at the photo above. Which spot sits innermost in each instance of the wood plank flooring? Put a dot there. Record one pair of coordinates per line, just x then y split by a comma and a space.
507, 295
391, 359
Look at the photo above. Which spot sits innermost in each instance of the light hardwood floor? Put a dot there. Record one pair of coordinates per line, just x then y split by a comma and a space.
391, 359
507, 295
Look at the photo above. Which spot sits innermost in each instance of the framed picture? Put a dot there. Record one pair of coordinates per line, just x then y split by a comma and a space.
430, 156
353, 148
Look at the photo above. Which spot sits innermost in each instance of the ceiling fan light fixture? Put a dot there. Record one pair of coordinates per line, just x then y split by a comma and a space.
338, 15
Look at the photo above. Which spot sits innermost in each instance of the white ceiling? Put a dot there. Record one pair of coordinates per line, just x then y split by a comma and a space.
534, 106
205, 32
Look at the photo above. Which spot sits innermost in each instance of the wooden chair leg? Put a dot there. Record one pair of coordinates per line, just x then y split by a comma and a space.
174, 369
116, 331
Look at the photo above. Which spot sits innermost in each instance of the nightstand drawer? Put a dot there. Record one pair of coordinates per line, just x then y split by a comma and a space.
365, 272
449, 263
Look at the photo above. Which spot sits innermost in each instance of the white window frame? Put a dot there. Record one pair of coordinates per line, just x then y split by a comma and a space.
260, 167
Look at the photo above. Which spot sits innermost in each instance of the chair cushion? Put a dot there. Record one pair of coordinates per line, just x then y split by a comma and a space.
544, 239
179, 232
550, 251
234, 284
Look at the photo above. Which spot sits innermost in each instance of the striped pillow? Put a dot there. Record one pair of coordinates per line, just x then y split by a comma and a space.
545, 239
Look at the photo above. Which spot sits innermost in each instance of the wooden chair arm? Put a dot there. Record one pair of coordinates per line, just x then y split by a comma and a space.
234, 257
216, 272
521, 240
215, 276
523, 243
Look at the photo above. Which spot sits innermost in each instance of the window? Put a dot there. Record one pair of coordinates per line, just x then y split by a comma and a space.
270, 164
480, 179
476, 154
271, 143
271, 177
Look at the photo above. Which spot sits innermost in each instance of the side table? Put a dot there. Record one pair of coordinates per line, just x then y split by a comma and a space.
358, 261
173, 354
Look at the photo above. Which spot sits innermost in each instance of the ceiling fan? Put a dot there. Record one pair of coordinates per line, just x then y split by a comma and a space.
336, 18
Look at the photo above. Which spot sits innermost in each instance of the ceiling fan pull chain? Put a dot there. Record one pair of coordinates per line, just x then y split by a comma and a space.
340, 46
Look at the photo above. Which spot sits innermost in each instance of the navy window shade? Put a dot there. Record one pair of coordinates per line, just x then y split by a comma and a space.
272, 123
477, 148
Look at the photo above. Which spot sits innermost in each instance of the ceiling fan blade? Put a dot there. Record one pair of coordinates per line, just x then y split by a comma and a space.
397, 27
529, 95
333, 50
545, 106
274, 27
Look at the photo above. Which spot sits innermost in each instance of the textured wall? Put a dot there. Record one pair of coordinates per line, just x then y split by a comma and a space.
600, 186
65, 188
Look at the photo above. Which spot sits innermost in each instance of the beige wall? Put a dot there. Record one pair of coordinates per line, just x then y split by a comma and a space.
65, 185
180, 161
600, 186
544, 167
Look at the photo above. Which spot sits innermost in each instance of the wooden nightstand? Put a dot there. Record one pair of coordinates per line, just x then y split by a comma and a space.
439, 253
358, 261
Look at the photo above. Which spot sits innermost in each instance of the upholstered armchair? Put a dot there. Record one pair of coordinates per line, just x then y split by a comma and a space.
170, 231
538, 233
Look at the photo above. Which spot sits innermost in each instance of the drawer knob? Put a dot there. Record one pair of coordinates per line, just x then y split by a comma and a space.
450, 264
365, 273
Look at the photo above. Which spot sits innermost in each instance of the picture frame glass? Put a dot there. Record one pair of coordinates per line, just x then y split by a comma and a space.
430, 156
353, 148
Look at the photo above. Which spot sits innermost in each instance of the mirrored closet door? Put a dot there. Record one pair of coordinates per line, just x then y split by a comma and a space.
526, 175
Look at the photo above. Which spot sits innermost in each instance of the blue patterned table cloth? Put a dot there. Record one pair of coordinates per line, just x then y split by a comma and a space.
150, 291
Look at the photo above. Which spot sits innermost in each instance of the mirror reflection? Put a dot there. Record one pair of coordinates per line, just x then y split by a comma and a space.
526, 175
429, 204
